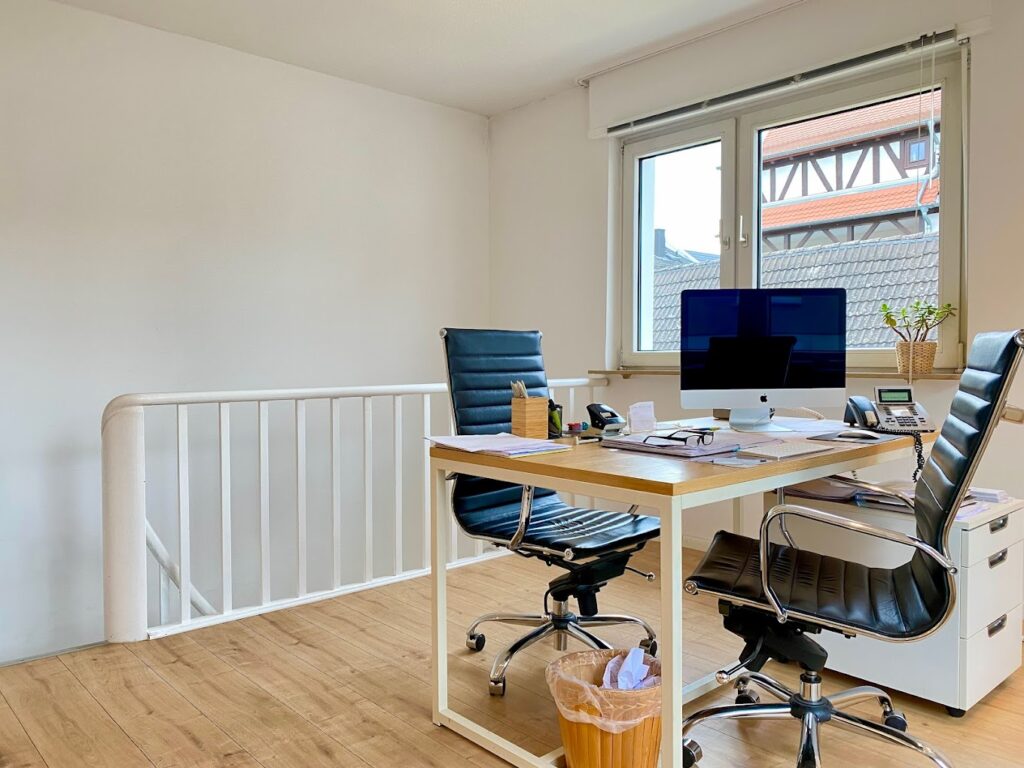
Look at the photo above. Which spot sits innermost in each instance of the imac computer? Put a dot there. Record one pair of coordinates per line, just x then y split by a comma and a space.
752, 350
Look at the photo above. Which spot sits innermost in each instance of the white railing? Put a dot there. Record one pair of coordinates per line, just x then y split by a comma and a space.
128, 535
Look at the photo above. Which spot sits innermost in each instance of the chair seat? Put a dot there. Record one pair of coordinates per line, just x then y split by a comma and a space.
558, 526
883, 601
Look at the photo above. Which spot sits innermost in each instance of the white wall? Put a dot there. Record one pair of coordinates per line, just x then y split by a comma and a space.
177, 215
541, 155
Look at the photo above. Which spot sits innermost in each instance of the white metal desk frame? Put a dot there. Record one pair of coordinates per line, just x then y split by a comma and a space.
669, 509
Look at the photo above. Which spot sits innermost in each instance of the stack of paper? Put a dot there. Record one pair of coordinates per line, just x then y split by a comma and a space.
723, 442
990, 494
501, 444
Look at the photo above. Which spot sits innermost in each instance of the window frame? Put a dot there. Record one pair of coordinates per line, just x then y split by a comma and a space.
633, 153
740, 268
908, 144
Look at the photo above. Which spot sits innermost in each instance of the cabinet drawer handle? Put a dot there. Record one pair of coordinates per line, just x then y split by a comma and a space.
997, 626
999, 558
998, 525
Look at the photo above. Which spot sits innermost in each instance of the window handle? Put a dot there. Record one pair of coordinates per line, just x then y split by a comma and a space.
744, 237
723, 237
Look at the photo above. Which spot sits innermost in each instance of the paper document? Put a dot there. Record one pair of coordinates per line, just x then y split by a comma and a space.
501, 444
641, 417
971, 509
656, 442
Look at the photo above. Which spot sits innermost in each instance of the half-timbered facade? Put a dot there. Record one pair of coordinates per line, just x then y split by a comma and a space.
863, 174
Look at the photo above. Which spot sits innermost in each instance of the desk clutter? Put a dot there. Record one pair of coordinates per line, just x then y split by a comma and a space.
501, 444
686, 443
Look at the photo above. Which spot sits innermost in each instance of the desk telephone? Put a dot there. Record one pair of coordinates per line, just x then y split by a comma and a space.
892, 410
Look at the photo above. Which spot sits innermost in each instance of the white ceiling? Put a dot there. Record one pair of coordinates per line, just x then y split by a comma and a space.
484, 56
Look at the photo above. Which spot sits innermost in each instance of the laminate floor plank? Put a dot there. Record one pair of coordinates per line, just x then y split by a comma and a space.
16, 748
346, 682
266, 727
65, 723
169, 730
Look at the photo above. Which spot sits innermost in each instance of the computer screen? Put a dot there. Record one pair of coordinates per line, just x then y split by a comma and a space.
762, 341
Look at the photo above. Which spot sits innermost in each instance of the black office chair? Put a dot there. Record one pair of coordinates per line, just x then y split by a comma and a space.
776, 596
593, 546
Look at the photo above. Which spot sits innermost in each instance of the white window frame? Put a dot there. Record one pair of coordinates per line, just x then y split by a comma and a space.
740, 225
723, 131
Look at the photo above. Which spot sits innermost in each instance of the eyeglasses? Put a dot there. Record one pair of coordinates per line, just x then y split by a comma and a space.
684, 436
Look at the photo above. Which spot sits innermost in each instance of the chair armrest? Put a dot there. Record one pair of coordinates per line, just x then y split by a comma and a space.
525, 511
784, 510
881, 490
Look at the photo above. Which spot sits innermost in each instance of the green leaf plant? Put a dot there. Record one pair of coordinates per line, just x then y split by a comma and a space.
915, 323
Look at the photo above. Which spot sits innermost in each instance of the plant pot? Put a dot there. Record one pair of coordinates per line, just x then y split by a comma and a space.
916, 357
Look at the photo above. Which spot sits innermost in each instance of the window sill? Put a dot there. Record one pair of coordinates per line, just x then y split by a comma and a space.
939, 374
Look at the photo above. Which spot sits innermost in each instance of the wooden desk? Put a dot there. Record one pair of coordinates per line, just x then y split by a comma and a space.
664, 486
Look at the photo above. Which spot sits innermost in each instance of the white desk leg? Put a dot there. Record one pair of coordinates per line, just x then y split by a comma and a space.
439, 522
671, 640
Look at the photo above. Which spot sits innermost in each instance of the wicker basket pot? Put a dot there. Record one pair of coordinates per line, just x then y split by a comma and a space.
917, 357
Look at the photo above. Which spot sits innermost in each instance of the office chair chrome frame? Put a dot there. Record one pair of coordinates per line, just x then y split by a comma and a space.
559, 623
808, 704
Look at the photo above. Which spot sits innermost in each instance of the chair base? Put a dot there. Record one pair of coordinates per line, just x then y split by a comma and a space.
560, 624
813, 710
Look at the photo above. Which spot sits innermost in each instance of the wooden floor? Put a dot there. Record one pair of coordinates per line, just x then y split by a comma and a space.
345, 682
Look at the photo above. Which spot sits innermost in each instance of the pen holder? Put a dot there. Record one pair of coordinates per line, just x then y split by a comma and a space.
530, 417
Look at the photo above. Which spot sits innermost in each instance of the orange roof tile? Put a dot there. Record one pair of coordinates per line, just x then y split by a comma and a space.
844, 126
848, 205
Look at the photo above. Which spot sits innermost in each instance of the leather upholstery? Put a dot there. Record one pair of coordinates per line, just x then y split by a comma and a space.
481, 366
879, 600
904, 602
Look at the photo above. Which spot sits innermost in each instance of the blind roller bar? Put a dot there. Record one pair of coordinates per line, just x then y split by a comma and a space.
942, 42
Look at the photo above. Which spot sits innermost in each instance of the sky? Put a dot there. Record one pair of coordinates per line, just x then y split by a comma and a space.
688, 196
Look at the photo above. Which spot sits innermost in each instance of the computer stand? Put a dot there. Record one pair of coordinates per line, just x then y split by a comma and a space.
753, 420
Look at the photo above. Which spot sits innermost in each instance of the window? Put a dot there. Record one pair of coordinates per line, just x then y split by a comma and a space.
855, 187
916, 153
842, 206
680, 203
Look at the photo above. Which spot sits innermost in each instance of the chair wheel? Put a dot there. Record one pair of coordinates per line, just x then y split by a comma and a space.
748, 697
649, 646
954, 712
897, 721
475, 642
692, 753
496, 688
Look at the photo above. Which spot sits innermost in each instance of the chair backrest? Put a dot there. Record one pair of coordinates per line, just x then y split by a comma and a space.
481, 367
482, 364
974, 414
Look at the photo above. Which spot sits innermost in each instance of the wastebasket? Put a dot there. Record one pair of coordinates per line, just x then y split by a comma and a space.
605, 728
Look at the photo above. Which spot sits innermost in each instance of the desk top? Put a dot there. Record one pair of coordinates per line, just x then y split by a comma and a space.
666, 475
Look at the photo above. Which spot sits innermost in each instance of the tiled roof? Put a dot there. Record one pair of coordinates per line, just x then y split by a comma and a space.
844, 127
846, 205
896, 270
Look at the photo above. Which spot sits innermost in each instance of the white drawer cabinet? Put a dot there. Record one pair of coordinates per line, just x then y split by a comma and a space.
979, 647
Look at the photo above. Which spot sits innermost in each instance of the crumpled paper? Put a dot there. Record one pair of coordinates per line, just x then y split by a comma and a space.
629, 673
575, 682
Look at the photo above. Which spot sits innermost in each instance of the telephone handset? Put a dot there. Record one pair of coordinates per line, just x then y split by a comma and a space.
893, 410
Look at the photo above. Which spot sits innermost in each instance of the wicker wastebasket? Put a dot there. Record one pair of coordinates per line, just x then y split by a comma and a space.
603, 728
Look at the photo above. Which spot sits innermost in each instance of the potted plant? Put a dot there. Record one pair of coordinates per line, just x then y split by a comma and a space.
915, 352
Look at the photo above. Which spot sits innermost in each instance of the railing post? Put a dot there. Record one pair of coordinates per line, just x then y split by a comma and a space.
124, 525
